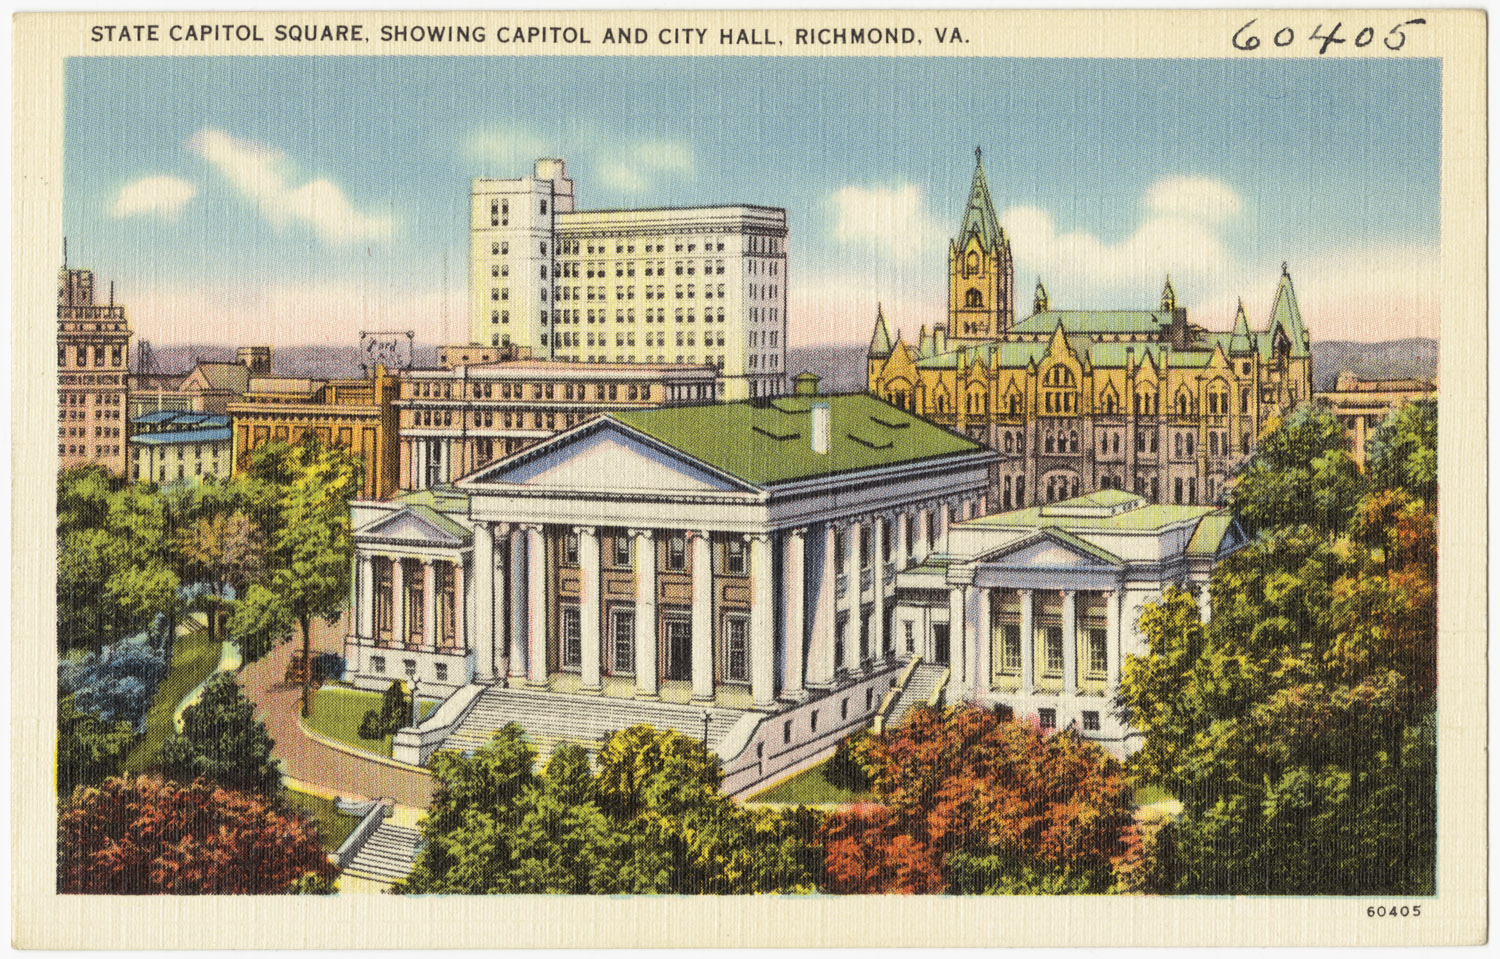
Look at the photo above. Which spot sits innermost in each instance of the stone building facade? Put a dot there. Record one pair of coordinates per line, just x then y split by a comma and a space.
93, 357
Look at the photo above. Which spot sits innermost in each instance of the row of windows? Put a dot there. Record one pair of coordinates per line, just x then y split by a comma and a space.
100, 432
99, 414
198, 450
81, 356
82, 399
440, 670
710, 245
592, 294
653, 315
1007, 661
427, 389
69, 450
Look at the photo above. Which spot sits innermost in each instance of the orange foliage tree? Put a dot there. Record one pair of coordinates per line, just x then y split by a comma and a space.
146, 835
971, 803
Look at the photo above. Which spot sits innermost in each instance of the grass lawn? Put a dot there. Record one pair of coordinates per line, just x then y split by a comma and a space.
193, 658
1147, 795
333, 826
337, 713
809, 787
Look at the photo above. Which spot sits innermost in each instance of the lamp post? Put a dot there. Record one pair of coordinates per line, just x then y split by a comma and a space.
706, 717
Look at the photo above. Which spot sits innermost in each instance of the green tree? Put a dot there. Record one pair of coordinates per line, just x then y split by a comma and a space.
311, 544
1402, 453
224, 550
260, 620
88, 749
221, 741
1301, 472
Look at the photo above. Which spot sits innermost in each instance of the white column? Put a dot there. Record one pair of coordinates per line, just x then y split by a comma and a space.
984, 641
877, 607
429, 604
703, 618
1028, 644
366, 613
460, 613
793, 610
588, 606
920, 548
1112, 639
902, 552
536, 606
762, 623
1070, 642
498, 633
824, 612
645, 614
399, 632
942, 527
854, 595
958, 626
519, 620
482, 559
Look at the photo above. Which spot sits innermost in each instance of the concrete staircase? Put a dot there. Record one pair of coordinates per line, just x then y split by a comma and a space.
553, 719
924, 681
387, 856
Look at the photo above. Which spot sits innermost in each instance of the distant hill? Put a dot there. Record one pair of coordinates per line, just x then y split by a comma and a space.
1415, 358
841, 365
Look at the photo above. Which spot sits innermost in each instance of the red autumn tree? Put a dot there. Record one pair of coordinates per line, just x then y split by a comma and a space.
972, 803
145, 835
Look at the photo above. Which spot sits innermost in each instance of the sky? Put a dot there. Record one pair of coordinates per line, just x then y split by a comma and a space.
304, 199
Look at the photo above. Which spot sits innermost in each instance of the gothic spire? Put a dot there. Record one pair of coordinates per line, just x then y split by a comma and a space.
880, 342
979, 213
1168, 296
1039, 302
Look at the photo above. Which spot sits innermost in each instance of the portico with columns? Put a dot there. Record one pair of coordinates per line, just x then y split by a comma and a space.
1033, 611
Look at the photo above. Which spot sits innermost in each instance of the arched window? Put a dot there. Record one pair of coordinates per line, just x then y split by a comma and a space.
1010, 442
973, 299
1048, 444
1073, 441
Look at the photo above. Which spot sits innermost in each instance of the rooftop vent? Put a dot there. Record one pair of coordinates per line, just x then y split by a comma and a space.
819, 414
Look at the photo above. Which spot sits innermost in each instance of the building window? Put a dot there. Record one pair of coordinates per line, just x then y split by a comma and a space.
1096, 665
1052, 652
570, 550
622, 552
786, 732
377, 664
1008, 660
623, 634
1047, 718
1090, 721
677, 553
737, 649
441, 669
571, 652
411, 668
734, 557
813, 721
911, 642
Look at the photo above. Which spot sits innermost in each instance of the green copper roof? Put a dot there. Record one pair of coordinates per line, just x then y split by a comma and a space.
1096, 321
1286, 315
1143, 518
880, 343
1084, 546
767, 442
1209, 535
443, 498
979, 214
1239, 340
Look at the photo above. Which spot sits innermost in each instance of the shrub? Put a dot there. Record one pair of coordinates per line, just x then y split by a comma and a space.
844, 769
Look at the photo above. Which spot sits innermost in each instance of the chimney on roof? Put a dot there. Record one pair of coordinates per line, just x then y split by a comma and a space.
806, 383
819, 414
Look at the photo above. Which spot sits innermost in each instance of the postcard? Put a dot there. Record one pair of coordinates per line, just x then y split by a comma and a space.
880, 478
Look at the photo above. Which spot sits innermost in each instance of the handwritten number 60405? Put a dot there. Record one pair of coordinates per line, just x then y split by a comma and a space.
1394, 39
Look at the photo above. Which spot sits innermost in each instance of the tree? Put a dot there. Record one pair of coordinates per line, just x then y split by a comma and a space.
141, 836
649, 819
224, 550
221, 741
259, 621
311, 544
1301, 473
970, 803
1402, 452
89, 749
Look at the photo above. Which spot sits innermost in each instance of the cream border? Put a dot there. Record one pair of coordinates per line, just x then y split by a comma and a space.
1456, 915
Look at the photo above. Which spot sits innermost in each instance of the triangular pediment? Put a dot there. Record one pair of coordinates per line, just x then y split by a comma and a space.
605, 456
1050, 550
409, 527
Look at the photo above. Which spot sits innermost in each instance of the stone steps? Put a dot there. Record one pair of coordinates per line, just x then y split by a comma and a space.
387, 856
552, 719
919, 688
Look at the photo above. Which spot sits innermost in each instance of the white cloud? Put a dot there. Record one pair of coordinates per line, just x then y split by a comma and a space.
633, 167
258, 173
162, 196
1194, 197
505, 149
894, 221
1080, 261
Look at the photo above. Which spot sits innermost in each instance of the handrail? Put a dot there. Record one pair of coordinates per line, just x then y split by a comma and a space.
877, 724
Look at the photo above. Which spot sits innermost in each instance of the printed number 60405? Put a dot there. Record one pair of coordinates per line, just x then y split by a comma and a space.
1381, 912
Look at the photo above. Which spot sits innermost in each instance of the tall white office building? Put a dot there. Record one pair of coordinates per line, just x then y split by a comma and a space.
694, 285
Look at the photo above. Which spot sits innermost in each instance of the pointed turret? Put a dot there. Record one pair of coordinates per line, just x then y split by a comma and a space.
1287, 316
1239, 341
1168, 296
979, 213
1039, 302
880, 342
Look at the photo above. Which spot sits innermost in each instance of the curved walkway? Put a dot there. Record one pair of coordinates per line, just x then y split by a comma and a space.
278, 704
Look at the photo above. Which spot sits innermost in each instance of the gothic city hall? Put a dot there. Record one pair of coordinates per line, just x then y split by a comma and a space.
1080, 400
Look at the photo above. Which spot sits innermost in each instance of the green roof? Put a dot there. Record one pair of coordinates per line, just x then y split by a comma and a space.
442, 498
1095, 321
979, 213
1286, 315
1144, 517
1209, 535
1084, 546
765, 442
880, 342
